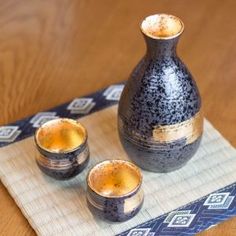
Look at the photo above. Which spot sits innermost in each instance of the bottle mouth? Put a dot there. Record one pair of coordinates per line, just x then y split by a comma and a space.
162, 26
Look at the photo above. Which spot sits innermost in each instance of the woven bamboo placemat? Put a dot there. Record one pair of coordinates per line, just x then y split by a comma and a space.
59, 208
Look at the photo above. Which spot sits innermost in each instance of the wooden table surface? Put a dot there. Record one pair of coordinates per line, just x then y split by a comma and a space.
53, 51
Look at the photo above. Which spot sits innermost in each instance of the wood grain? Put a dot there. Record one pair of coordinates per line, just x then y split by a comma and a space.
53, 51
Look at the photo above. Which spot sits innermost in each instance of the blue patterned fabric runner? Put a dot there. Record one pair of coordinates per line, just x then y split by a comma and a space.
186, 220
75, 109
192, 218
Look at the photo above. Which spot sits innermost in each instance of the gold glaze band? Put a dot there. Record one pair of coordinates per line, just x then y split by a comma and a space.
64, 163
94, 203
130, 203
190, 130
133, 202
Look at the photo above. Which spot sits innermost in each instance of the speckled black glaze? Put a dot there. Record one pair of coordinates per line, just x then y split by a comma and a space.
172, 157
64, 174
112, 209
114, 214
76, 162
160, 91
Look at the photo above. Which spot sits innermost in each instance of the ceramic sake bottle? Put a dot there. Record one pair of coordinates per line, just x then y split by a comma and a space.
159, 117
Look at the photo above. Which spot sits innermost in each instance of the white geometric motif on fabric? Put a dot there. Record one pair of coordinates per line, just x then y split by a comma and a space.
173, 213
216, 199
151, 234
181, 220
225, 205
113, 92
139, 232
81, 105
9, 133
42, 117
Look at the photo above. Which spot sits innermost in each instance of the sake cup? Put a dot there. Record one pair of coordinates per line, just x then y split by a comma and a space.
63, 149
114, 190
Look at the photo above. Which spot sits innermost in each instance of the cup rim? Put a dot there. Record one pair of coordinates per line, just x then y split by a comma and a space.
136, 168
61, 152
162, 37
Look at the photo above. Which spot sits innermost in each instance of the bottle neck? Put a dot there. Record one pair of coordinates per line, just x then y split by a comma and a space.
161, 48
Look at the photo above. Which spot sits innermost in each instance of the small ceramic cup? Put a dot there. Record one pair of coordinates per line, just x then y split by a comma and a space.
114, 190
63, 148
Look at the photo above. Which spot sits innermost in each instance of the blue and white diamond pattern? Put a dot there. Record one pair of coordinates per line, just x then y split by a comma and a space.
139, 232
9, 133
81, 105
173, 213
225, 205
181, 220
113, 92
42, 117
216, 199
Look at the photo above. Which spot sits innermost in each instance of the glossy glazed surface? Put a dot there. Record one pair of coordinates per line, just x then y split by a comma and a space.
162, 26
115, 209
114, 190
63, 149
114, 178
66, 168
60, 135
159, 118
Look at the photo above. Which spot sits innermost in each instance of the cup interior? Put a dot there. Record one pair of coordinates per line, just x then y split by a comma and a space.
114, 178
60, 135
